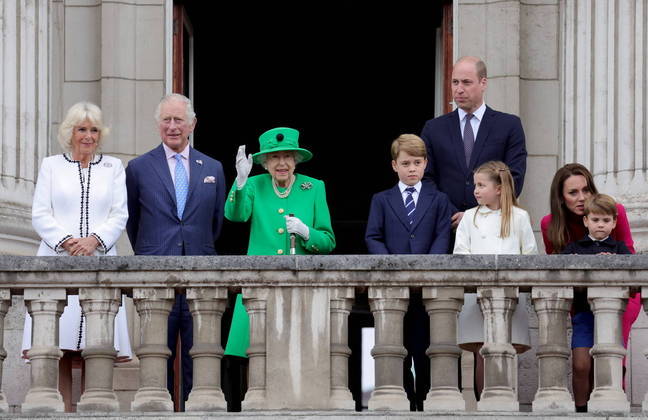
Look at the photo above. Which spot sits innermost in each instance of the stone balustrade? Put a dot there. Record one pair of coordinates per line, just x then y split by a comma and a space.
299, 308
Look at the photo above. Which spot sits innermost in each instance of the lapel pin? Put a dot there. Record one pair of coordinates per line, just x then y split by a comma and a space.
199, 162
306, 186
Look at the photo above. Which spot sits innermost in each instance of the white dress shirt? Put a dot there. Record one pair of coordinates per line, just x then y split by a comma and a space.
475, 121
402, 186
170, 156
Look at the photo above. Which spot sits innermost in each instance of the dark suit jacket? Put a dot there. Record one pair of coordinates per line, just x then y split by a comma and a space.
389, 231
153, 226
587, 246
500, 137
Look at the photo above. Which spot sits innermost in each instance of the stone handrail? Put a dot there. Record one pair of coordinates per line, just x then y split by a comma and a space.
298, 308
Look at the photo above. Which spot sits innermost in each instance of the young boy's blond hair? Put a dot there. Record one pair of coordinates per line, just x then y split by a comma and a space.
411, 144
601, 204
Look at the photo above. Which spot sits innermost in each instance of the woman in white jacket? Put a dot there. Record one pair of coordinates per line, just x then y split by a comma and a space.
79, 209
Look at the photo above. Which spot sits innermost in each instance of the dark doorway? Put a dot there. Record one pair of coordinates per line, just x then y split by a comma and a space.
350, 77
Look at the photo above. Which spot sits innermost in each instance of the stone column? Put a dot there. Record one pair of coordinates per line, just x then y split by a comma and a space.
341, 301
608, 305
256, 300
100, 307
45, 307
388, 305
443, 305
207, 306
604, 100
500, 365
153, 306
5, 302
552, 305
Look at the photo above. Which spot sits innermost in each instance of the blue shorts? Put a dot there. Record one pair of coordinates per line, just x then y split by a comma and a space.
583, 329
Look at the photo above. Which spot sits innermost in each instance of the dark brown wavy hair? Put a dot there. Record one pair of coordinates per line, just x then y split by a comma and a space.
557, 231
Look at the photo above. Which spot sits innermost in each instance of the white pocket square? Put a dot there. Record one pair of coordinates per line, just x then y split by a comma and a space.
209, 180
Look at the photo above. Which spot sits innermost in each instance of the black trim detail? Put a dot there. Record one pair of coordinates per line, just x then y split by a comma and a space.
102, 245
58, 247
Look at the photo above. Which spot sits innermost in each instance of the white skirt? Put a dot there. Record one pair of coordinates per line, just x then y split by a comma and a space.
72, 330
471, 323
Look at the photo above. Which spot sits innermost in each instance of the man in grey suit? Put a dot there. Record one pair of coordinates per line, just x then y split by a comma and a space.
175, 203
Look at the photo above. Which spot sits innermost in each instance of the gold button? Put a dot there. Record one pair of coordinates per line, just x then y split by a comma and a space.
280, 251
280, 230
280, 211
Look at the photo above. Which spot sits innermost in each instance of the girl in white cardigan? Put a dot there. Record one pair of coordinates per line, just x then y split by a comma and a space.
496, 226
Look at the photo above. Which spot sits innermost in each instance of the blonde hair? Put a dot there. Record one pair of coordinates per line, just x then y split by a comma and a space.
500, 174
601, 204
77, 114
409, 143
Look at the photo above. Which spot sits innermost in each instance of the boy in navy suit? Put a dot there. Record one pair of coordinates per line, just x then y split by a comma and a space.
411, 218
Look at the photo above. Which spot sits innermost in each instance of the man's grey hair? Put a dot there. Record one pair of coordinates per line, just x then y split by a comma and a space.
191, 115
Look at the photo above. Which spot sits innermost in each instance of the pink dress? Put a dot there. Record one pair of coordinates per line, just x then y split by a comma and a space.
576, 230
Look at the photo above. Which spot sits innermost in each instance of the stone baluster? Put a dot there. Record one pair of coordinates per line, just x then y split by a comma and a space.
443, 305
341, 301
45, 307
552, 305
207, 306
153, 306
5, 302
256, 301
608, 305
99, 307
500, 364
388, 305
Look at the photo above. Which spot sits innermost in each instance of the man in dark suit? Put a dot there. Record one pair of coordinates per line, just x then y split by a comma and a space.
459, 142
176, 198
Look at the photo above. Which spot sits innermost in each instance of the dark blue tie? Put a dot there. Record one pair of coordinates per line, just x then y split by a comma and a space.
410, 207
468, 139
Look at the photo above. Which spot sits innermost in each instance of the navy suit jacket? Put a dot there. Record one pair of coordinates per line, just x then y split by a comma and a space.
500, 137
153, 225
389, 231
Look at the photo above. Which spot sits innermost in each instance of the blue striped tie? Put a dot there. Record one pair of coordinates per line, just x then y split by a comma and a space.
181, 185
410, 207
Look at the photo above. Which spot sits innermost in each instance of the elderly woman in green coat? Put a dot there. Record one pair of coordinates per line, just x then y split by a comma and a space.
280, 204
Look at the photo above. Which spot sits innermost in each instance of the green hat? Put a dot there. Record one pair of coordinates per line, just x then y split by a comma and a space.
280, 139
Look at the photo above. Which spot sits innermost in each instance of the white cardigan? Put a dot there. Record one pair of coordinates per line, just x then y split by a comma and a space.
481, 235
67, 205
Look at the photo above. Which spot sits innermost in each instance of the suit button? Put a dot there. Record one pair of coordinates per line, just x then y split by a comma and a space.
467, 183
412, 236
280, 230
280, 251
179, 244
280, 211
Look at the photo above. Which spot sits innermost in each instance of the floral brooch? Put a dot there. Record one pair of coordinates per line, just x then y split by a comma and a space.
306, 185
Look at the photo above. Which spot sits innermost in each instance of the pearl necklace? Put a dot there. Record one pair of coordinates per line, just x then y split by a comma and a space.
286, 193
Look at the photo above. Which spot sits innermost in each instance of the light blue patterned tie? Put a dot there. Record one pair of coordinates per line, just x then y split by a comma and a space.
409, 204
181, 185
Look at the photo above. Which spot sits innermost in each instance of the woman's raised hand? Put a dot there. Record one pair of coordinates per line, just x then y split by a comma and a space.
243, 166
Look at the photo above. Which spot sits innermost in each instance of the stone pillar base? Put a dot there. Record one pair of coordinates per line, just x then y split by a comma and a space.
45, 401
255, 399
391, 398
341, 399
444, 400
98, 401
503, 403
4, 407
206, 400
553, 401
153, 399
612, 401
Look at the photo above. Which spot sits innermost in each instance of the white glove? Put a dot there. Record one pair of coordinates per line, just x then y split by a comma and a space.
243, 167
294, 225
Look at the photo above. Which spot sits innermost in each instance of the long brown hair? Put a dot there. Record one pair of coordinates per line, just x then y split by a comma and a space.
557, 232
500, 174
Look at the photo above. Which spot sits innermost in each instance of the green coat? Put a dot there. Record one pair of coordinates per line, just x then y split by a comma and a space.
258, 201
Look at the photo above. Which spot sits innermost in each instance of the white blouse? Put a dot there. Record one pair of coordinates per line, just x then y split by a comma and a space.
73, 202
481, 234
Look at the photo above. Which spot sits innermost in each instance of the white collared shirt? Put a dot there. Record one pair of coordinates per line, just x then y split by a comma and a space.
170, 156
597, 240
475, 120
404, 193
